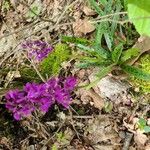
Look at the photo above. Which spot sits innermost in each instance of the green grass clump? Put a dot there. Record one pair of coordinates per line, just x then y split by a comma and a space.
144, 64
52, 64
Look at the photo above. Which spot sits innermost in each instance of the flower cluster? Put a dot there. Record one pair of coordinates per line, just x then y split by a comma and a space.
40, 96
37, 49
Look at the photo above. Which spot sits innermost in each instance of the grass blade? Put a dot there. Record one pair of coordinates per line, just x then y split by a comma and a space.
96, 7
116, 53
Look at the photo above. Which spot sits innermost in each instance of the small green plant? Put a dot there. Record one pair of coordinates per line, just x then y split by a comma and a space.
106, 30
54, 147
109, 60
52, 64
142, 125
103, 52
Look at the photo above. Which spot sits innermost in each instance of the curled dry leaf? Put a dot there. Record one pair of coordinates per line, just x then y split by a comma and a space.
83, 27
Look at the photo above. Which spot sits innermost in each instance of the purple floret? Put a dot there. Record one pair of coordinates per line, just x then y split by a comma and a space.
40, 96
18, 103
37, 49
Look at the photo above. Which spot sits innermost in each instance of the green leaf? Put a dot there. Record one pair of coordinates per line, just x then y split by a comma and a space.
142, 122
116, 53
104, 2
130, 53
102, 73
101, 52
75, 40
85, 65
100, 30
85, 48
108, 39
138, 73
96, 7
147, 129
139, 14
116, 17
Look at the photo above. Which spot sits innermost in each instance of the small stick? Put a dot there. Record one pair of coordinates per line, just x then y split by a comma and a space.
127, 141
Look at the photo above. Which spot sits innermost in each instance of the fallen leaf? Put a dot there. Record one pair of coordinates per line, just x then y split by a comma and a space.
100, 130
88, 11
83, 27
143, 44
140, 139
88, 96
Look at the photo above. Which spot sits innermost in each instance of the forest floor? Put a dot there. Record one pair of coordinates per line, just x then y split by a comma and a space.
106, 117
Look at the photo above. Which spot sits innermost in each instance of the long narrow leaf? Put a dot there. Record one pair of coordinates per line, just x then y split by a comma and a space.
85, 48
116, 53
130, 53
138, 73
96, 7
75, 40
108, 39
100, 30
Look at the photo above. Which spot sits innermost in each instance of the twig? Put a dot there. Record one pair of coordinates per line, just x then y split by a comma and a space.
34, 66
122, 22
127, 141
82, 117
71, 121
111, 15
66, 8
42, 19
54, 134
14, 32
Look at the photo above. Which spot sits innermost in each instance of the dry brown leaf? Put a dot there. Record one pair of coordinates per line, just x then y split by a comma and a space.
83, 27
143, 44
99, 130
87, 96
140, 139
88, 11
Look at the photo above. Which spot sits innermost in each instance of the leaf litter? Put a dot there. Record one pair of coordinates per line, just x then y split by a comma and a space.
87, 126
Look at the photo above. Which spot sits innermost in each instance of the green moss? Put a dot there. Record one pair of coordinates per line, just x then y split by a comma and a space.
144, 64
52, 64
